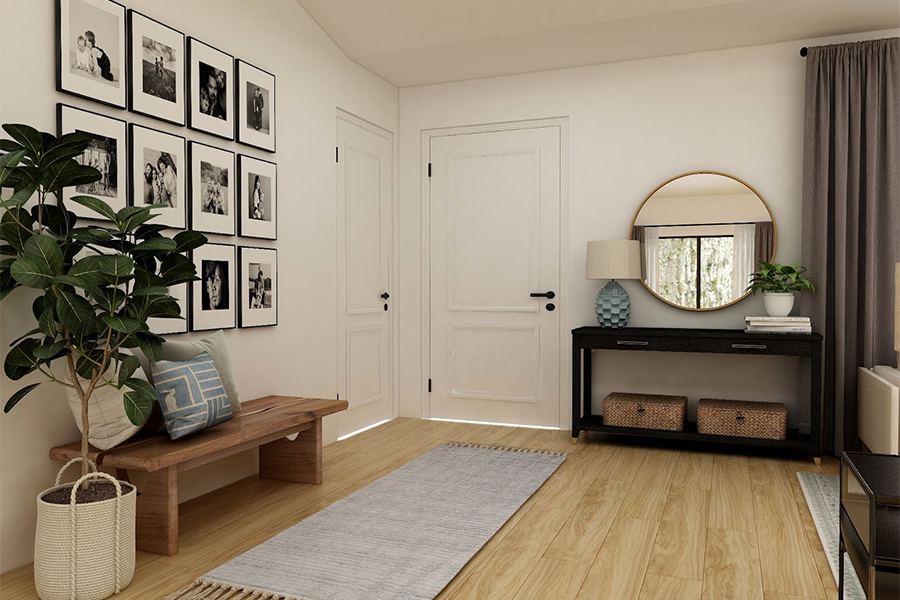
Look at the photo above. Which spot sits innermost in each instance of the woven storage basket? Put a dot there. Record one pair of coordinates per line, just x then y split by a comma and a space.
84, 551
644, 411
738, 418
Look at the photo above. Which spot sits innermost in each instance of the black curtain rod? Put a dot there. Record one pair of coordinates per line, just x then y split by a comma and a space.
804, 51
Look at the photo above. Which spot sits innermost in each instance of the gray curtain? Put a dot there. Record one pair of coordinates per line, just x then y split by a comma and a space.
851, 215
638, 234
763, 242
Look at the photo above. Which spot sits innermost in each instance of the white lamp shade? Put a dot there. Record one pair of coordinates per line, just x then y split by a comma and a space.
613, 259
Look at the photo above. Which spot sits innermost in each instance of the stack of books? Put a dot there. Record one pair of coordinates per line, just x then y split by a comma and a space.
778, 325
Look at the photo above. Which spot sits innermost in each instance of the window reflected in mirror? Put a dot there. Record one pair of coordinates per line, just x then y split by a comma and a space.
701, 236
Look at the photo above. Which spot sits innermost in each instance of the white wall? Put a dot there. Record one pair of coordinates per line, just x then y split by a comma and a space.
298, 357
632, 126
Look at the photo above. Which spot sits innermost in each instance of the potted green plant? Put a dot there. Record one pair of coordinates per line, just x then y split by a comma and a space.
93, 289
778, 284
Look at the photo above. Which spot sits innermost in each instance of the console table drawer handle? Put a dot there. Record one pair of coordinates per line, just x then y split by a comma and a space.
631, 343
749, 346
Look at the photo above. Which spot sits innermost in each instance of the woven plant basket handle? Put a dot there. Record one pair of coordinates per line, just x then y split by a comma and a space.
72, 512
77, 459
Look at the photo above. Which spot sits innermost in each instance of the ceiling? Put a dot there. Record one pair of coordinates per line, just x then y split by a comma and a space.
415, 42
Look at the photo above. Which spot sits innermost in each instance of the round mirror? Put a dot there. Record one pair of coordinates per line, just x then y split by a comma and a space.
701, 235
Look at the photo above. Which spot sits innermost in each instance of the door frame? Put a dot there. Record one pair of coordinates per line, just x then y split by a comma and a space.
393, 258
565, 388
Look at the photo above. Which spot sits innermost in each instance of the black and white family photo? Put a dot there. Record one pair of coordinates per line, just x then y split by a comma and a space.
255, 106
260, 286
160, 178
260, 195
102, 154
92, 50
213, 189
156, 55
215, 285
158, 66
213, 91
258, 294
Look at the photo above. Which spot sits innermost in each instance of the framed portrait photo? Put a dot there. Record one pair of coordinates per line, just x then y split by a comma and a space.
210, 90
107, 153
158, 174
90, 55
156, 59
213, 180
212, 297
161, 326
255, 106
257, 198
258, 295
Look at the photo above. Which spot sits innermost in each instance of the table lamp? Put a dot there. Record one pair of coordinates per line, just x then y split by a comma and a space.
613, 259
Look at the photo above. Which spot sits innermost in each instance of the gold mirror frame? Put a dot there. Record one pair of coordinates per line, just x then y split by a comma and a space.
739, 180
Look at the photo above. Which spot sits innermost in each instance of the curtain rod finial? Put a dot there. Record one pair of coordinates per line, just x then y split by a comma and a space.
804, 51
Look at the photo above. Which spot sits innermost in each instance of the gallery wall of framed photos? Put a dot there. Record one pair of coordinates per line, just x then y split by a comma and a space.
129, 62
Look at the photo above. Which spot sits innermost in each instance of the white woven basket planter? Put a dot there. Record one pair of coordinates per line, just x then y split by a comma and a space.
84, 551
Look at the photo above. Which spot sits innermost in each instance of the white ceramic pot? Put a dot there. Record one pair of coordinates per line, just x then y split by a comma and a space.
101, 535
778, 304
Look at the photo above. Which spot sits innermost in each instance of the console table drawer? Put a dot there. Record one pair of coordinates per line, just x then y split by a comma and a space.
635, 342
745, 346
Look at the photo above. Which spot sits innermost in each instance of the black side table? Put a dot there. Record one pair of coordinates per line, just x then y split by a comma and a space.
870, 522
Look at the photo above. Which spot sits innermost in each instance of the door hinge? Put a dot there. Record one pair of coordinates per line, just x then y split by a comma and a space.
336, 155
429, 386
338, 396
429, 169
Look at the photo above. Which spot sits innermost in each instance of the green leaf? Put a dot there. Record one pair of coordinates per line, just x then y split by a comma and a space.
88, 269
117, 266
98, 206
45, 249
7, 250
139, 400
20, 361
156, 245
24, 335
32, 272
149, 231
128, 366
29, 137
14, 399
57, 155
47, 323
154, 290
10, 146
13, 232
129, 220
73, 310
8, 163
75, 141
151, 345
58, 220
49, 351
189, 240
121, 324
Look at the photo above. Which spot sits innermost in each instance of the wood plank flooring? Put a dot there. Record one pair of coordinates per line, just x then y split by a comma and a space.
617, 521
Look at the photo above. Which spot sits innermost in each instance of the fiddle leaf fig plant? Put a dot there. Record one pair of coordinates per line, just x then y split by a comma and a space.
97, 285
773, 277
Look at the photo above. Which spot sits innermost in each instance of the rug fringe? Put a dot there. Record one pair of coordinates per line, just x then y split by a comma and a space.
209, 589
507, 448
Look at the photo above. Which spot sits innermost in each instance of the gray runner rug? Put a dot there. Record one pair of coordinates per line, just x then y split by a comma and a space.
823, 496
402, 537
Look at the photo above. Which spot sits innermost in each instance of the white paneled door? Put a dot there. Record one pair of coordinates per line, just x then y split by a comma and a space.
365, 192
495, 260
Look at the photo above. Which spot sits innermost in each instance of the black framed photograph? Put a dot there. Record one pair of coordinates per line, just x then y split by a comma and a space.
257, 198
255, 106
156, 59
212, 297
158, 174
210, 90
161, 326
90, 54
212, 183
258, 285
107, 153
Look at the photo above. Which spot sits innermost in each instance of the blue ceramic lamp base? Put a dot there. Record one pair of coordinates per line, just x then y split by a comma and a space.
613, 306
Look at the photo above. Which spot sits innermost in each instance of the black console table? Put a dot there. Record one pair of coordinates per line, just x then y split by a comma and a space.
710, 341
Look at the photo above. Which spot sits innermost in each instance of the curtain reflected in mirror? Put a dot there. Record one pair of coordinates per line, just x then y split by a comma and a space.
701, 236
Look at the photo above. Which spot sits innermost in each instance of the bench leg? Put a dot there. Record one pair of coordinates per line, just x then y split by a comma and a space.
157, 513
299, 461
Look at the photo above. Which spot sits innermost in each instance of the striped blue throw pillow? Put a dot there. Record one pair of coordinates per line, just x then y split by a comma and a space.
191, 395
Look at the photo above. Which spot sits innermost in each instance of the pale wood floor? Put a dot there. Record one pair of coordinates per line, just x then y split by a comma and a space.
617, 521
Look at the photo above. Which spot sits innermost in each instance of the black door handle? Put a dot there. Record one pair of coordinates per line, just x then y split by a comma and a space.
385, 295
548, 295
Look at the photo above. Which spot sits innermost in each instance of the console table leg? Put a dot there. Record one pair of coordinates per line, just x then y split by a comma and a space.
156, 527
299, 461
817, 460
574, 439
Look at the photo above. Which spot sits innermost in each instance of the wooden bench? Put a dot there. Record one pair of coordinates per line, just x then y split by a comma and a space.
262, 423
